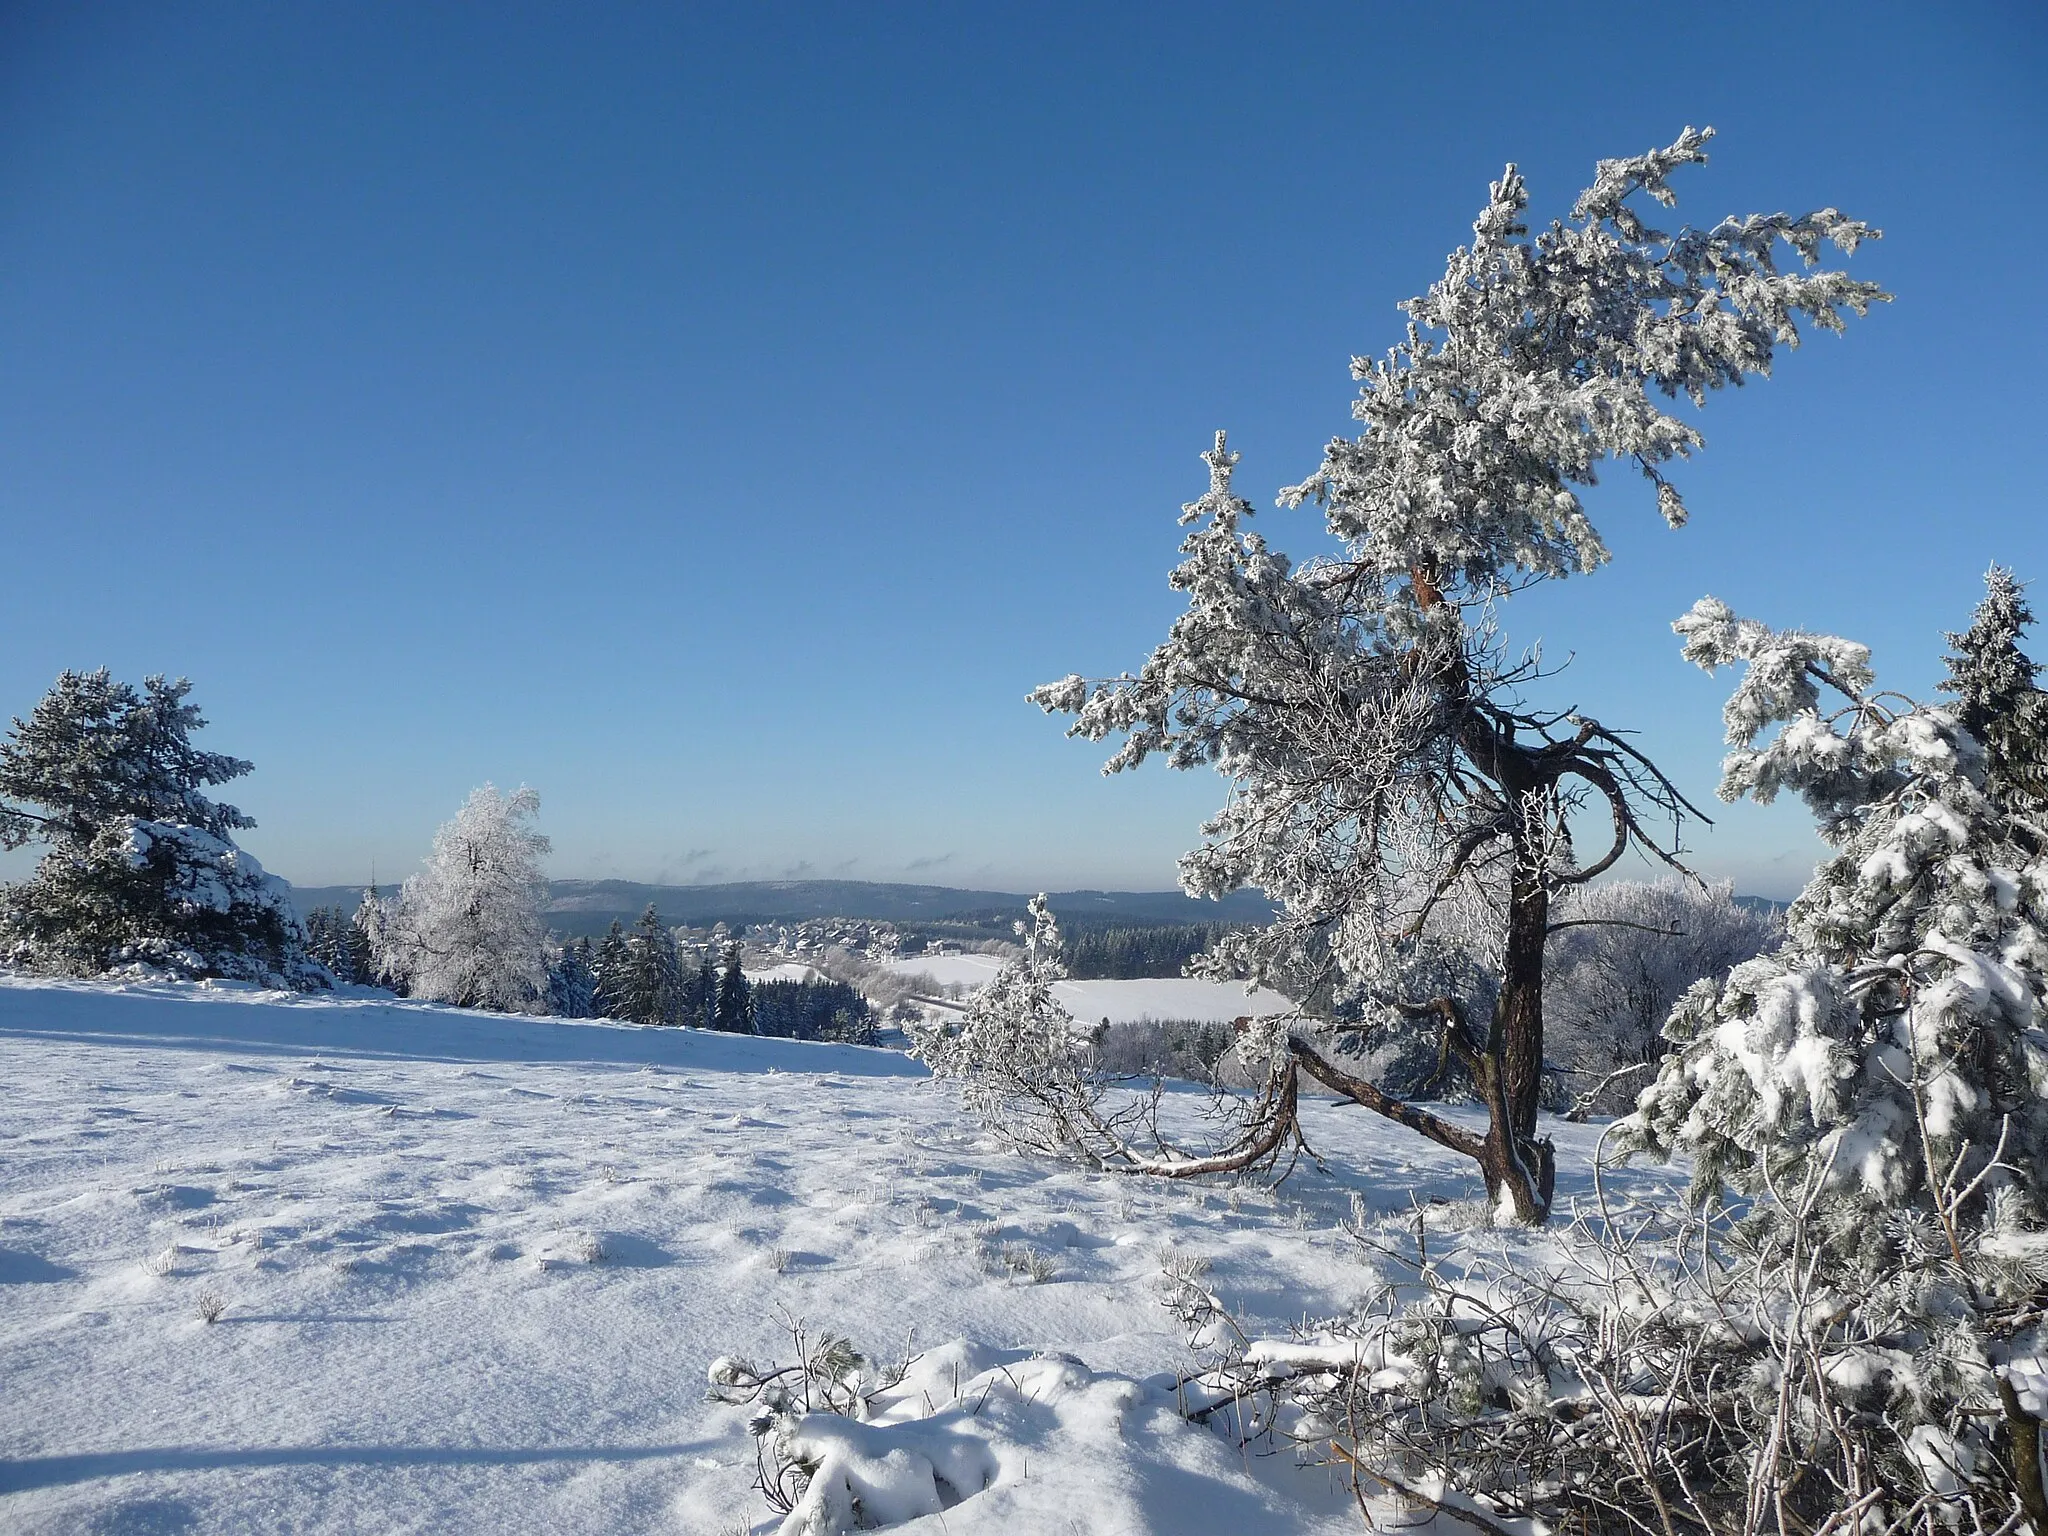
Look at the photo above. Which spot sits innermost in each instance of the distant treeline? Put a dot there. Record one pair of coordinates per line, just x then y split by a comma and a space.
812, 1010
639, 974
1091, 952
1126, 952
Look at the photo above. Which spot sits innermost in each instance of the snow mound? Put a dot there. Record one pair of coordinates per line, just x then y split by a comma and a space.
1031, 1442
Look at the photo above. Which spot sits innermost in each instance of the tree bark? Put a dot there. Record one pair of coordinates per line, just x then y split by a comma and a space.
2025, 1430
1518, 1166
1359, 1091
1520, 1170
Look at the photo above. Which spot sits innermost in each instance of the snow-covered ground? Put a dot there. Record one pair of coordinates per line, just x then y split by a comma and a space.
949, 970
474, 1269
1120, 1002
788, 970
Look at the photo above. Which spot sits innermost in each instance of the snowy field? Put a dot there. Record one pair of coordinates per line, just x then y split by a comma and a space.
474, 1270
1120, 1002
788, 970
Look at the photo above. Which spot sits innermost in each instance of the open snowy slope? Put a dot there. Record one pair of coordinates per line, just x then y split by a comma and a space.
474, 1270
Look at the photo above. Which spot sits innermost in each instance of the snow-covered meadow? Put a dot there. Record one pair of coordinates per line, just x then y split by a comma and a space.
1178, 998
473, 1270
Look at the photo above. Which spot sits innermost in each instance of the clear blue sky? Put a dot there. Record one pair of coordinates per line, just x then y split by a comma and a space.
718, 417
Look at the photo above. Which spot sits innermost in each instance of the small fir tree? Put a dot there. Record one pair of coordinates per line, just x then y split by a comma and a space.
735, 1006
1996, 700
572, 982
319, 937
369, 942
700, 993
608, 973
652, 989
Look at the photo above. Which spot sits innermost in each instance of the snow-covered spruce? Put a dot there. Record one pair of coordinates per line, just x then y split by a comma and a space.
1996, 700
1856, 1342
645, 983
572, 981
1383, 767
467, 929
142, 870
1877, 1088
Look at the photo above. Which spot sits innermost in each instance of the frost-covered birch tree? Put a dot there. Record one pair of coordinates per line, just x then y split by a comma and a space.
467, 929
1383, 764
1621, 955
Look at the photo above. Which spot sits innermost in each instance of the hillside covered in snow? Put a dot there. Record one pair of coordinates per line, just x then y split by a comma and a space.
469, 1273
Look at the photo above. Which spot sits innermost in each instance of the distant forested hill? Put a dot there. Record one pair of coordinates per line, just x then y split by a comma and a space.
588, 906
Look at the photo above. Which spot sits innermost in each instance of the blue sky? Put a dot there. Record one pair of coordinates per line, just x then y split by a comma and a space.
719, 417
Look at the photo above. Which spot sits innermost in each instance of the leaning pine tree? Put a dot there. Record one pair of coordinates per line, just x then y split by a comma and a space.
1876, 1092
1389, 787
142, 868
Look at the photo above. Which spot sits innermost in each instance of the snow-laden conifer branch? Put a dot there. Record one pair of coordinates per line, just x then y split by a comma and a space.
1878, 1087
1534, 358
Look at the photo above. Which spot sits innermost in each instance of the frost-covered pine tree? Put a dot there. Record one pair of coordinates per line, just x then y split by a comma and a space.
142, 868
1386, 773
1027, 1068
328, 932
1996, 700
467, 929
364, 943
1877, 1088
1020, 1058
317, 926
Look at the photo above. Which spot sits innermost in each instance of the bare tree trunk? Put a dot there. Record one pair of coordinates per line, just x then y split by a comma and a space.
1520, 1171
